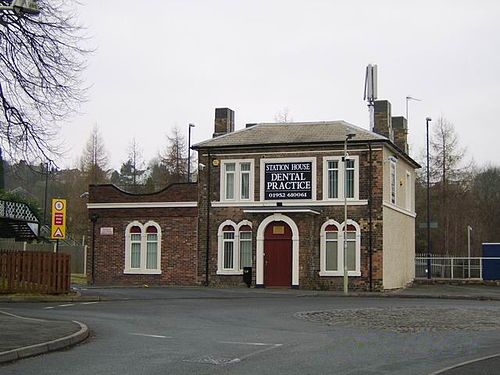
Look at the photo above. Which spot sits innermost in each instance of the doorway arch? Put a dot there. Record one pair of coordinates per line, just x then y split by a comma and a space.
260, 248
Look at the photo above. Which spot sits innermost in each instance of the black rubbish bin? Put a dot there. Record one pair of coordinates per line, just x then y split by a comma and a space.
247, 276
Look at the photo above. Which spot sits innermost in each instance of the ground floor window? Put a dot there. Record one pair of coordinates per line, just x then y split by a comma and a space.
142, 248
235, 247
332, 244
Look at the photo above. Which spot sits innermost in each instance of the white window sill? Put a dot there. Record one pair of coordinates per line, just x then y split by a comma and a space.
142, 272
229, 272
340, 273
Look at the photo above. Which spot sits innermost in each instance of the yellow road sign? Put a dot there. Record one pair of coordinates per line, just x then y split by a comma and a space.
58, 228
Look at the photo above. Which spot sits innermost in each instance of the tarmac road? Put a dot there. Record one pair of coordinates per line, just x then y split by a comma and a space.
185, 331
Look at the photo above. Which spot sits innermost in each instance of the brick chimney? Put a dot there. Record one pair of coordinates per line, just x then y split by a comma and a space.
383, 119
224, 121
400, 128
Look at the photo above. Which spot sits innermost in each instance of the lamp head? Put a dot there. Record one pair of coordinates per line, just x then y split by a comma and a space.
350, 136
428, 119
191, 125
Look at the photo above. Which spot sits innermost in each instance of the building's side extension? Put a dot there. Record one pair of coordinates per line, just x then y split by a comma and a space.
143, 239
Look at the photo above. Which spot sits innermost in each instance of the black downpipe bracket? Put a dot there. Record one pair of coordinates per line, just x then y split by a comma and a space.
209, 198
370, 223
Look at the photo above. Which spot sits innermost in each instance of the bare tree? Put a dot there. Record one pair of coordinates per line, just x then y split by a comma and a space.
175, 157
451, 176
41, 59
486, 195
131, 170
283, 116
94, 162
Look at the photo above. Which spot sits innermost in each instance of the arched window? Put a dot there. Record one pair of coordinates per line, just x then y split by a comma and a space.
135, 247
151, 247
332, 249
143, 248
235, 247
228, 247
245, 232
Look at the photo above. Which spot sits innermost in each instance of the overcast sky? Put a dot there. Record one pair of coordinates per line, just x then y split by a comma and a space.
164, 64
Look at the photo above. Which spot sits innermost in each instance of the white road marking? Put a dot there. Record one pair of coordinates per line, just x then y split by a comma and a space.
22, 317
66, 305
154, 336
249, 343
236, 360
49, 307
89, 303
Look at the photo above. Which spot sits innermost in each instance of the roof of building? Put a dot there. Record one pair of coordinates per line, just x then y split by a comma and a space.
291, 133
297, 133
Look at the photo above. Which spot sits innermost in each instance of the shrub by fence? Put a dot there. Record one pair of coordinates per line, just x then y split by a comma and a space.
34, 272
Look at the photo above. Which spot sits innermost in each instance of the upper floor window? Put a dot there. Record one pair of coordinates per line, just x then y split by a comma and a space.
341, 179
408, 186
235, 247
142, 248
393, 181
237, 180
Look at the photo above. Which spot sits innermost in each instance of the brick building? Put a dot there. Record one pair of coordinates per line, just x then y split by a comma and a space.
142, 239
271, 197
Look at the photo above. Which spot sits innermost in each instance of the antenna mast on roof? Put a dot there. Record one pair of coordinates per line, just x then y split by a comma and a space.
371, 91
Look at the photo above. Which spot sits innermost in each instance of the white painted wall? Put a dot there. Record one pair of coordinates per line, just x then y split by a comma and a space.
399, 225
399, 249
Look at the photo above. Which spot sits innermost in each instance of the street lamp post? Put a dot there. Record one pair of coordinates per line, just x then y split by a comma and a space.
346, 277
469, 229
189, 152
427, 120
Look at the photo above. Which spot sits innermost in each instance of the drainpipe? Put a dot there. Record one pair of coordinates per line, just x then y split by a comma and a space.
209, 171
370, 223
93, 219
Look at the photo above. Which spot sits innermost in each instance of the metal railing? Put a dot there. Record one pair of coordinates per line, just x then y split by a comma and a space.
17, 211
451, 267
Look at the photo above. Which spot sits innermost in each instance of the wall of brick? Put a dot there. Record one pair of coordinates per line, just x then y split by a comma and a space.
179, 242
309, 225
180, 192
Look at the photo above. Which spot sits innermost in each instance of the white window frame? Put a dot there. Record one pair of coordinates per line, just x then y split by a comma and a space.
142, 270
236, 270
393, 178
340, 249
341, 177
408, 185
237, 180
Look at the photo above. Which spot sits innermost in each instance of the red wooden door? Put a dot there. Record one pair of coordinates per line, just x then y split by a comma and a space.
278, 255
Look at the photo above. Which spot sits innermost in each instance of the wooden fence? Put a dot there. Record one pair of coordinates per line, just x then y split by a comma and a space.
34, 272
78, 253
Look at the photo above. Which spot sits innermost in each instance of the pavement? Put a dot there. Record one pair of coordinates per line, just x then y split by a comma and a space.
23, 336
